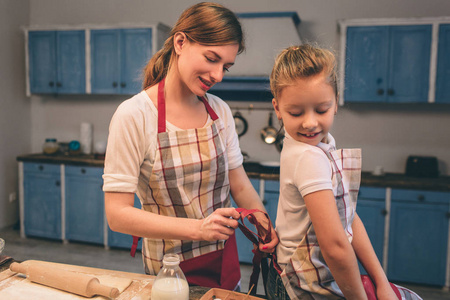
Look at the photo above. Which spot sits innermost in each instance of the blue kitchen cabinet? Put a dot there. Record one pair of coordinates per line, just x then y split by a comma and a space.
42, 200
418, 236
118, 57
387, 63
121, 240
57, 62
84, 209
443, 66
372, 212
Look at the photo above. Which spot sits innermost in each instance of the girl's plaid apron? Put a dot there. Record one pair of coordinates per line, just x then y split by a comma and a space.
307, 276
189, 179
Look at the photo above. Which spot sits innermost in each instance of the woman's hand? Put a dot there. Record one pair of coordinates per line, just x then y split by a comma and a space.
386, 292
219, 225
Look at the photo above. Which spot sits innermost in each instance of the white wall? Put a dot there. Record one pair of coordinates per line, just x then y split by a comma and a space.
386, 133
14, 106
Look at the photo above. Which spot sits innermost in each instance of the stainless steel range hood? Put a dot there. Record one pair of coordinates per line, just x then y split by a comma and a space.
266, 34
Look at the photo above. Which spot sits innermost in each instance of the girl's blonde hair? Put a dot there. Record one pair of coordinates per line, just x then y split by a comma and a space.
303, 61
205, 23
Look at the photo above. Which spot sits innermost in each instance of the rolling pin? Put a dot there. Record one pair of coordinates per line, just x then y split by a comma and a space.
76, 283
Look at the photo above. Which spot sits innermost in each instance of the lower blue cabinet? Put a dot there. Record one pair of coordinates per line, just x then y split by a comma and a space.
84, 204
418, 236
42, 200
122, 240
372, 212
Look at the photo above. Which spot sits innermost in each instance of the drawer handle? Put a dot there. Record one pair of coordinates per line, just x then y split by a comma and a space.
57, 183
384, 212
380, 92
391, 92
41, 168
123, 84
114, 84
264, 202
421, 198
83, 171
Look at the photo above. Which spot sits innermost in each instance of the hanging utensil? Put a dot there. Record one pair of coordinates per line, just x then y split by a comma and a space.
240, 123
269, 133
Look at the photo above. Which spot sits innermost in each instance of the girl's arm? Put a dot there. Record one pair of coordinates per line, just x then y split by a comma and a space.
123, 217
245, 196
334, 244
366, 255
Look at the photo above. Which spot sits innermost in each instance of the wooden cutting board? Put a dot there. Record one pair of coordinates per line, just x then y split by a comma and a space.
16, 287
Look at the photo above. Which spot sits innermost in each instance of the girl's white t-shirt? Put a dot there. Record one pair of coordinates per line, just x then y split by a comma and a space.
132, 141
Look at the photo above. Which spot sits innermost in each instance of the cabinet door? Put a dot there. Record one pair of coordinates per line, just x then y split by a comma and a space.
121, 240
136, 50
418, 237
366, 64
371, 210
409, 66
42, 200
244, 245
105, 61
443, 65
84, 204
71, 65
42, 61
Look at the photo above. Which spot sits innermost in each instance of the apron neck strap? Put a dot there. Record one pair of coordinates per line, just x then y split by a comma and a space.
162, 107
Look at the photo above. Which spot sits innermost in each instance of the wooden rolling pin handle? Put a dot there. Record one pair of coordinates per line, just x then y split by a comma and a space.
95, 288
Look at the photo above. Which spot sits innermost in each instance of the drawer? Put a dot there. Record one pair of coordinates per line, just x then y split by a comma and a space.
83, 171
272, 186
372, 193
420, 196
41, 168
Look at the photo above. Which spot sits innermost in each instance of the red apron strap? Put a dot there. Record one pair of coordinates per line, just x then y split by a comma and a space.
161, 107
134, 246
209, 109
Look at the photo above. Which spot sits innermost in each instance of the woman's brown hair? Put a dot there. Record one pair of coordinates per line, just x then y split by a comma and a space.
205, 23
303, 61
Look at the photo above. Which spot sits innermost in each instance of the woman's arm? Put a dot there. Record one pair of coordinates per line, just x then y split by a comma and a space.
245, 196
334, 244
123, 217
366, 255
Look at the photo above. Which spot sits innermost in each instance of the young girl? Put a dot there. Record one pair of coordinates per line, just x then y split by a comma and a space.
176, 147
321, 236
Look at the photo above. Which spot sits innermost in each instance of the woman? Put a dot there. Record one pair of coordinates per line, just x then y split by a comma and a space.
177, 148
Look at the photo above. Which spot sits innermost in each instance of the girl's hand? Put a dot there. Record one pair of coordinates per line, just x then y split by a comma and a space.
386, 293
219, 225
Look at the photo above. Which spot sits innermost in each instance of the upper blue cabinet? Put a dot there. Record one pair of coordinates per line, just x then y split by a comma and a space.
387, 63
57, 61
395, 60
118, 57
443, 68
90, 61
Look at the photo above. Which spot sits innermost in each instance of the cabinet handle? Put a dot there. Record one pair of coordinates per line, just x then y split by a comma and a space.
448, 215
391, 92
421, 198
83, 171
384, 212
114, 84
58, 84
57, 183
264, 202
41, 168
123, 84
380, 92
51, 84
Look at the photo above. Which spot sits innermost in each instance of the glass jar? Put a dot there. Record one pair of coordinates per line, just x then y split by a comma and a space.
170, 283
50, 146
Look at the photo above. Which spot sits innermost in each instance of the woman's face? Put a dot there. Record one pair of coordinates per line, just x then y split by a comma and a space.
307, 109
200, 66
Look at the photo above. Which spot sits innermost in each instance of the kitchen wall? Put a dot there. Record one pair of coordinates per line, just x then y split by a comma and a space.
15, 109
386, 133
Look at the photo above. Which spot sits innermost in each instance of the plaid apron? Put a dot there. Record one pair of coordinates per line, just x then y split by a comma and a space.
189, 179
307, 276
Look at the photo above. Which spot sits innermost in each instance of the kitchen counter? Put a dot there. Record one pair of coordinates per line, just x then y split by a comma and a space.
256, 170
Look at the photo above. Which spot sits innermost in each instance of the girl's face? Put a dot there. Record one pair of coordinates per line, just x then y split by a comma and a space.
307, 109
200, 66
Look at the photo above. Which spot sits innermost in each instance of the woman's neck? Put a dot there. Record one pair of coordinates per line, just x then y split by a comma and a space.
176, 91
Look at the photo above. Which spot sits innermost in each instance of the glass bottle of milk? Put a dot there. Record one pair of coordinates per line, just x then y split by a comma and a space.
170, 283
